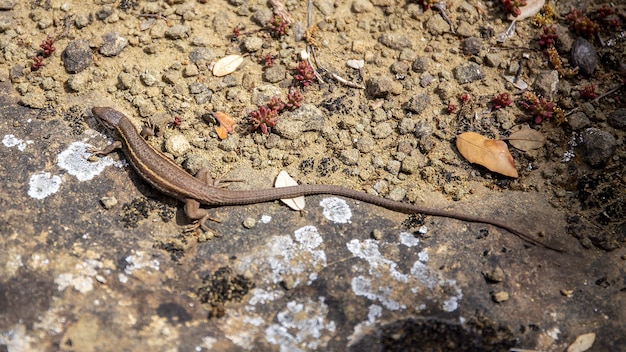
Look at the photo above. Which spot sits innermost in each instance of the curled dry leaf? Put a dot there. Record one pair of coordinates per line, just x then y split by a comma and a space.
527, 139
226, 124
227, 65
582, 343
284, 180
490, 153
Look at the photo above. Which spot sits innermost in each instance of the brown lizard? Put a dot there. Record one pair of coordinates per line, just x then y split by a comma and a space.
166, 176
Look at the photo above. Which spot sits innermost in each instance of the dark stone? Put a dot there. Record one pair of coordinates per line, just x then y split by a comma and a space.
400, 67
16, 73
201, 55
113, 44
472, 46
421, 64
584, 56
468, 72
617, 119
379, 87
418, 103
578, 120
77, 56
597, 146
104, 12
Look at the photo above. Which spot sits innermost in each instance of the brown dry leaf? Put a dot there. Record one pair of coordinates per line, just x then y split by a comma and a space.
490, 153
227, 65
527, 139
531, 8
284, 180
582, 343
226, 124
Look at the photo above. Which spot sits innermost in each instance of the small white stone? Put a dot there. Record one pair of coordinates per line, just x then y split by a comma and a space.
356, 64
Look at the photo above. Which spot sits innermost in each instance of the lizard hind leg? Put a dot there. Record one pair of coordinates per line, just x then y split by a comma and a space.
198, 215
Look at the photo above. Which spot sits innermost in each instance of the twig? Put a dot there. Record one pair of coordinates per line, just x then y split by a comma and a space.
311, 51
309, 48
522, 61
441, 7
598, 98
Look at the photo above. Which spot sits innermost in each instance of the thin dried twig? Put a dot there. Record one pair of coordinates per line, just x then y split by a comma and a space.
611, 91
441, 7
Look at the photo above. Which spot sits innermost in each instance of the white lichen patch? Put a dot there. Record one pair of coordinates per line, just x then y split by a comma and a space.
81, 280
408, 239
396, 290
75, 161
296, 259
140, 260
261, 296
361, 329
13, 264
282, 256
51, 321
336, 210
301, 326
16, 339
11, 141
43, 184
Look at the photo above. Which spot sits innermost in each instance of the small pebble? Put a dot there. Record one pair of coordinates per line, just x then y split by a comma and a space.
494, 275
472, 46
500, 297
288, 282
377, 234
468, 72
114, 43
249, 223
108, 202
177, 145
617, 119
177, 31
252, 44
418, 103
77, 56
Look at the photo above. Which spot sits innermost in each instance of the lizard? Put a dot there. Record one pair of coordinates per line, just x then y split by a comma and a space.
169, 178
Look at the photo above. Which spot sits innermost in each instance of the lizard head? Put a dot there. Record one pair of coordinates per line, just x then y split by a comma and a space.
107, 117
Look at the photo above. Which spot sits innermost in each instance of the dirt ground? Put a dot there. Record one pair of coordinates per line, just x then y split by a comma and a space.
93, 255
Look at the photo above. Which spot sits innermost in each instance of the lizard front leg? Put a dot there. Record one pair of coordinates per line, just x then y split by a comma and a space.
107, 150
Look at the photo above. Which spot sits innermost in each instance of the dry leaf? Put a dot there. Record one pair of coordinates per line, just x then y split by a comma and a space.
527, 139
226, 124
284, 180
490, 153
582, 343
227, 65
532, 8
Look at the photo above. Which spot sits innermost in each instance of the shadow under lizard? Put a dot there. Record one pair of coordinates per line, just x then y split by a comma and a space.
169, 178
